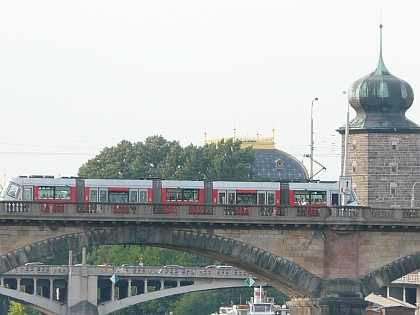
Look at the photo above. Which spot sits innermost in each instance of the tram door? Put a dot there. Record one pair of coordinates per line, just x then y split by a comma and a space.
133, 195
261, 198
271, 197
226, 197
334, 199
103, 195
231, 197
93, 197
143, 195
98, 195
28, 193
222, 197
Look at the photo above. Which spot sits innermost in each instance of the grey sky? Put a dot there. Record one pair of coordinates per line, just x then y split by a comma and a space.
76, 76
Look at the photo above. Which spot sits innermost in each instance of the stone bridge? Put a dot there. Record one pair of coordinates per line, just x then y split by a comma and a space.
327, 263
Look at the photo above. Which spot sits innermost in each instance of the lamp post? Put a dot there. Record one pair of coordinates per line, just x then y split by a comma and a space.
312, 139
345, 170
346, 142
412, 195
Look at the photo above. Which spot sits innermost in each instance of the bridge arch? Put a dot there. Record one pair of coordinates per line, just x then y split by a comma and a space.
282, 274
42, 304
390, 272
52, 307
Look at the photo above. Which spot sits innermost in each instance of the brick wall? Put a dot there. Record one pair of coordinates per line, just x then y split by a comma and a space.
384, 167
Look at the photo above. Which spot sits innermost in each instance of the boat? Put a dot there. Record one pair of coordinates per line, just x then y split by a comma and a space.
241, 309
259, 304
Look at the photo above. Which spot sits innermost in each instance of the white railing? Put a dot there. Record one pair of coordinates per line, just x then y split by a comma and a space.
132, 271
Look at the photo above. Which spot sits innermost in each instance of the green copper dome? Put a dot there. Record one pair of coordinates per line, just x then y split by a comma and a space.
381, 100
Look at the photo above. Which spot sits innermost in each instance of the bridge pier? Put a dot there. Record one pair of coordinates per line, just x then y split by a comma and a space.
337, 297
327, 306
83, 308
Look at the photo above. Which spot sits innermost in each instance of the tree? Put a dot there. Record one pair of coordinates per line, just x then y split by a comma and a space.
117, 255
228, 162
20, 309
131, 161
159, 158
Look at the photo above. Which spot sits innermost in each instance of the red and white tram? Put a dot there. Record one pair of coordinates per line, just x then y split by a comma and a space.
48, 188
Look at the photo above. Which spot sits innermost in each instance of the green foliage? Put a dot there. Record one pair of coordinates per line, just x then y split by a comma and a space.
20, 309
159, 158
132, 161
116, 255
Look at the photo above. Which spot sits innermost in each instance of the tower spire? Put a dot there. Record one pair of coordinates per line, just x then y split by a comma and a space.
380, 68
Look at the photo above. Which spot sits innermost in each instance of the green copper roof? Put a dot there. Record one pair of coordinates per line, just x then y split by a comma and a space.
380, 68
380, 100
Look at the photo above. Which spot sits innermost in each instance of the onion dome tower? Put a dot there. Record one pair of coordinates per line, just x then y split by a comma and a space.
381, 100
383, 145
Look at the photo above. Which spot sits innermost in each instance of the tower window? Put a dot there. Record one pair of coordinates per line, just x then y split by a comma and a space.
394, 168
394, 144
393, 189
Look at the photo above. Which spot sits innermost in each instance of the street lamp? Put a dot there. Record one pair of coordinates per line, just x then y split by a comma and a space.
346, 142
412, 195
312, 138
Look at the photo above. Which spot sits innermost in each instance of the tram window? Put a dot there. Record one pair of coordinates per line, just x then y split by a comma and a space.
190, 194
45, 192
311, 196
318, 197
246, 198
13, 190
143, 196
102, 195
94, 195
222, 198
178, 194
231, 198
133, 196
300, 195
28, 194
173, 194
271, 198
118, 196
62, 192
261, 198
